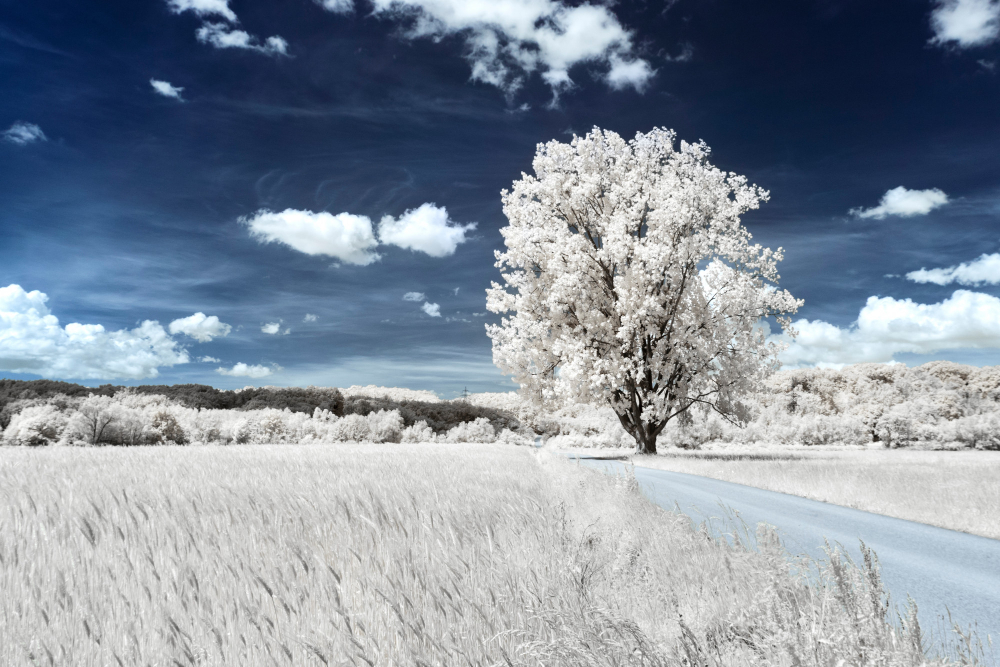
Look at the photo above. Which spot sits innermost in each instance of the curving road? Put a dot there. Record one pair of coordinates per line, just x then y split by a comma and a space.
938, 568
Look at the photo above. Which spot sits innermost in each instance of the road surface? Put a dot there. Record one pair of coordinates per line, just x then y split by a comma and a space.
938, 568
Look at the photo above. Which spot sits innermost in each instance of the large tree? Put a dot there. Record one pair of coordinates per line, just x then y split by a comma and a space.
630, 281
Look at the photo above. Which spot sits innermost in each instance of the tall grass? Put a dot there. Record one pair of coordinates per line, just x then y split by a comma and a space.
949, 489
396, 555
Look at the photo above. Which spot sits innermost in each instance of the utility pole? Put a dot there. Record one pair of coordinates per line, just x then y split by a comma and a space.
465, 394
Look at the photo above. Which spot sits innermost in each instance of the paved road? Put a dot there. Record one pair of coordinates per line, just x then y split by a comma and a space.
937, 567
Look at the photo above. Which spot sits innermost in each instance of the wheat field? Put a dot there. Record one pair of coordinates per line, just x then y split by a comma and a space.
399, 555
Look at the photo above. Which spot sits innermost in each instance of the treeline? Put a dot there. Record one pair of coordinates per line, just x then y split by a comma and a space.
13, 393
937, 405
45, 412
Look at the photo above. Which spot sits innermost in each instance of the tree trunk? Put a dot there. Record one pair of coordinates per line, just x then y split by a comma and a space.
645, 439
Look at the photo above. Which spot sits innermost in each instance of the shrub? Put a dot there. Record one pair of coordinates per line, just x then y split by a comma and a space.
419, 432
164, 428
385, 426
36, 425
479, 430
351, 428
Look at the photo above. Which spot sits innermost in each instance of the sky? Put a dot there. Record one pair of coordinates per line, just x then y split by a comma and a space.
241, 192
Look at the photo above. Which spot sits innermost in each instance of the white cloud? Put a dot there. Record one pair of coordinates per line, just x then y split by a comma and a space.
200, 327
203, 8
887, 326
337, 6
309, 318
222, 36
271, 328
983, 270
414, 296
629, 74
507, 40
209, 360
22, 133
347, 237
33, 342
244, 371
166, 89
906, 203
431, 309
426, 228
966, 23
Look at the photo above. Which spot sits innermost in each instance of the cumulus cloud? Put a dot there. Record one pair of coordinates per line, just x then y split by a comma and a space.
624, 74
222, 36
347, 237
203, 8
271, 328
414, 296
431, 309
426, 228
22, 133
242, 370
209, 360
200, 327
33, 342
309, 318
965, 23
166, 89
905, 203
508, 40
985, 270
887, 326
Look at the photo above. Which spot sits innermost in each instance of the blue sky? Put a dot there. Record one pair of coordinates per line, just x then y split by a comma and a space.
300, 167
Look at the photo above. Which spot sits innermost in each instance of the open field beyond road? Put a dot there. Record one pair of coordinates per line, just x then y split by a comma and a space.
958, 490
395, 555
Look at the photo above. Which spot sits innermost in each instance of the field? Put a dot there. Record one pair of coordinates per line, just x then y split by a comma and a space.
421, 555
949, 489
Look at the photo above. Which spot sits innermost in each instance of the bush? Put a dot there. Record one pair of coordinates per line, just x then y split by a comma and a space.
385, 426
419, 432
35, 426
351, 428
479, 430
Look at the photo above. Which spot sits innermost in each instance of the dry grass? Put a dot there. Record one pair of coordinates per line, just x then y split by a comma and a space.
950, 489
396, 555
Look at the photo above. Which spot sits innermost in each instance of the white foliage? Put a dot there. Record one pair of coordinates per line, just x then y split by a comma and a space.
419, 432
36, 425
630, 281
479, 430
385, 426
391, 393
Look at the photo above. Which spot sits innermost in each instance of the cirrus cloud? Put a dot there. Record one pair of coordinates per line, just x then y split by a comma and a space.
33, 342
904, 203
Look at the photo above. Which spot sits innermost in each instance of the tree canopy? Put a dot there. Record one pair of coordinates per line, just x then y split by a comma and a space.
630, 280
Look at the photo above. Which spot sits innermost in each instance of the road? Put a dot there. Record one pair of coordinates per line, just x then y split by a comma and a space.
938, 568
